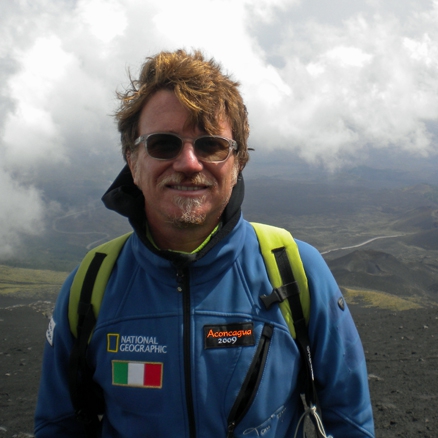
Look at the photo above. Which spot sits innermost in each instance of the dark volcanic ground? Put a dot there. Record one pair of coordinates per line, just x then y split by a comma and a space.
402, 356
401, 350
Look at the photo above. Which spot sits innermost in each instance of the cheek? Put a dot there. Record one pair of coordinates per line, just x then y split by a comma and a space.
233, 175
138, 171
133, 167
228, 175
135, 175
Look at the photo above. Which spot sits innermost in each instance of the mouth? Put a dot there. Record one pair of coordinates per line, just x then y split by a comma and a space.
187, 188
179, 183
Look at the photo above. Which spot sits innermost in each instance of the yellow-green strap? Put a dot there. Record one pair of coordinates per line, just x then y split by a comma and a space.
112, 250
271, 238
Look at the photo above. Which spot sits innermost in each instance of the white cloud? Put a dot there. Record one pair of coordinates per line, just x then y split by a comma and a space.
349, 56
30, 133
266, 10
328, 80
106, 18
22, 213
364, 85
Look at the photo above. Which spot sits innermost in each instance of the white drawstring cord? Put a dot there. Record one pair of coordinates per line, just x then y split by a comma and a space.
307, 413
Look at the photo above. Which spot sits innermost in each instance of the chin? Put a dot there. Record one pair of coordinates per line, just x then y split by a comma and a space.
188, 218
189, 211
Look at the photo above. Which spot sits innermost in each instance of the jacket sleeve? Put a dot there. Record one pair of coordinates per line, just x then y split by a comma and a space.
338, 357
54, 414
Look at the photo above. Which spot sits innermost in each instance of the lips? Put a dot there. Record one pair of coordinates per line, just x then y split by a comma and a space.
180, 182
188, 188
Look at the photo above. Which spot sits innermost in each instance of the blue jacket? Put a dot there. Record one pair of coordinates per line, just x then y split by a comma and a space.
183, 346
173, 348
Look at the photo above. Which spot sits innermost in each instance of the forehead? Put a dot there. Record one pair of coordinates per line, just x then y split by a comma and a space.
163, 112
162, 109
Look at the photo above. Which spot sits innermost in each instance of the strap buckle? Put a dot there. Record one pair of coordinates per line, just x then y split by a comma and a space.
279, 294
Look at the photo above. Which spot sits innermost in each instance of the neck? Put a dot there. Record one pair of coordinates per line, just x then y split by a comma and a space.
183, 238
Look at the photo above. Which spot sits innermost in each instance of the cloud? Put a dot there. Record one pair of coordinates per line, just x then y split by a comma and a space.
370, 83
22, 213
31, 124
106, 18
328, 80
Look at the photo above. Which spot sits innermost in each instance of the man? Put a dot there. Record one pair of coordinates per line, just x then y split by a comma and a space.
193, 267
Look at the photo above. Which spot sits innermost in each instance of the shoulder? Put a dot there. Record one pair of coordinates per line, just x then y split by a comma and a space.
308, 252
312, 259
323, 287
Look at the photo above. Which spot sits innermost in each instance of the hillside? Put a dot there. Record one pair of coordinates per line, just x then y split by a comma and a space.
381, 271
423, 218
33, 283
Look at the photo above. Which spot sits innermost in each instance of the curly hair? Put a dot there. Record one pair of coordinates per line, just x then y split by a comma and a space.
200, 86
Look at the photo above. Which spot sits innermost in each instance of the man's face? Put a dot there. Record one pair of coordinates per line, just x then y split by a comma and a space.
183, 191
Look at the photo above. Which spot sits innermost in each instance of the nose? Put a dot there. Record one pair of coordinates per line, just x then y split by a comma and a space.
187, 161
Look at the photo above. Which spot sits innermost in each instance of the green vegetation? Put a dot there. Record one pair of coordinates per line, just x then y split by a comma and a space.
48, 252
29, 281
382, 300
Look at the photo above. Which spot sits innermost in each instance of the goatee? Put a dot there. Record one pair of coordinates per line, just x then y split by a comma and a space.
188, 211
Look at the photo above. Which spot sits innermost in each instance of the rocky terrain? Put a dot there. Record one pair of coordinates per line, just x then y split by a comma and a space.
400, 347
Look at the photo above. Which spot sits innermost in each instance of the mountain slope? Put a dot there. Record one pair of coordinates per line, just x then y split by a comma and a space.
381, 271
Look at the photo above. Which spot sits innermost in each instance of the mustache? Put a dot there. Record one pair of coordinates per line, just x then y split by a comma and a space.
178, 178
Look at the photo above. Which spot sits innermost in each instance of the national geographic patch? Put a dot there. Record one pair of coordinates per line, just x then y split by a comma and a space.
229, 335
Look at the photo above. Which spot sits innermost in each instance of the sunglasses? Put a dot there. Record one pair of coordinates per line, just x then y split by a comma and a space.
167, 146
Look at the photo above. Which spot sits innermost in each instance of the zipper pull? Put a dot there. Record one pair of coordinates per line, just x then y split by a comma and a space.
230, 429
180, 279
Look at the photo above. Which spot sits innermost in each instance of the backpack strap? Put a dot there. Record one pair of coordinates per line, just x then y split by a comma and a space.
87, 286
86, 294
280, 252
291, 291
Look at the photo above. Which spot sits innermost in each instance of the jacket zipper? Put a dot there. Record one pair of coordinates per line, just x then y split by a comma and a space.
251, 383
184, 288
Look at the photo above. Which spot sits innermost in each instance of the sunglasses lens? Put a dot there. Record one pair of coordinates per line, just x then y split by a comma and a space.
211, 148
163, 146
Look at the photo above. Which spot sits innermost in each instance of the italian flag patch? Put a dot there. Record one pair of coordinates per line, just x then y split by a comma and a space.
138, 374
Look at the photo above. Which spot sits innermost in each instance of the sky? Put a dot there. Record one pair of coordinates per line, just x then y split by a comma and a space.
330, 81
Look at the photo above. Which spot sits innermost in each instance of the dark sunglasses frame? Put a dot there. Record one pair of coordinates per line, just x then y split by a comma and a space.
232, 145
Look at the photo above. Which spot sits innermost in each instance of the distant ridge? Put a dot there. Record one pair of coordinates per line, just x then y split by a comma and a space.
427, 240
420, 218
381, 271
